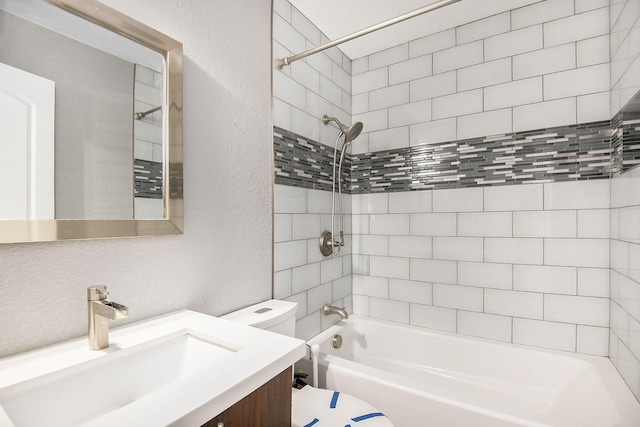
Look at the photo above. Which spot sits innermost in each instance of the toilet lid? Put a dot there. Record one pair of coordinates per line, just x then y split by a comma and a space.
314, 407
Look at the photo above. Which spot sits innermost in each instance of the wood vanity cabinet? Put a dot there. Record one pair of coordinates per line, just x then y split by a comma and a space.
268, 406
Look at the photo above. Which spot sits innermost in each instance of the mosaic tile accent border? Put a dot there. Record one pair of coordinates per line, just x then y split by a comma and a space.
302, 162
616, 145
566, 153
148, 179
625, 142
548, 155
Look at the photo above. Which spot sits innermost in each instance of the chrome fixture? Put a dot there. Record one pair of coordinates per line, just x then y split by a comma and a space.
336, 342
331, 309
288, 60
140, 116
100, 311
350, 133
327, 242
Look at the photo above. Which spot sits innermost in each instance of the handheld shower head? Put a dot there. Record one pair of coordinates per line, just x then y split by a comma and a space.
350, 132
327, 241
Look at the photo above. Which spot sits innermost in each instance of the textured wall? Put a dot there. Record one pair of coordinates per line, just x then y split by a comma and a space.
223, 261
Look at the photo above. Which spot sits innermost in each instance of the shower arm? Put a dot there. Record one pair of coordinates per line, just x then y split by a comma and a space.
280, 63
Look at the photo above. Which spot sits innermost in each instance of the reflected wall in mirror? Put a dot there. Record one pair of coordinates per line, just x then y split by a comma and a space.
91, 112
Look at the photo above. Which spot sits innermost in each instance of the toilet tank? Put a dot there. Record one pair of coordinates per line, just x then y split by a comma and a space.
273, 315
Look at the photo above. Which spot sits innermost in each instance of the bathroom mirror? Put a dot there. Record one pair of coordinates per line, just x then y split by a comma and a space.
91, 119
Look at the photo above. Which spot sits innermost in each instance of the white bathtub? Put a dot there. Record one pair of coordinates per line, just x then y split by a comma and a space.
419, 377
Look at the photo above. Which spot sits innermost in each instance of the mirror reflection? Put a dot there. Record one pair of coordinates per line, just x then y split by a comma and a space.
82, 119
91, 119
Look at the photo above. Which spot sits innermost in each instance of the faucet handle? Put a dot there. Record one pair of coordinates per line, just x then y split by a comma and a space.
97, 293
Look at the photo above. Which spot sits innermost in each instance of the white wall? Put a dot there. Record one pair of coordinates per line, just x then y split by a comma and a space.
413, 259
302, 273
224, 259
538, 66
624, 52
517, 263
624, 347
310, 88
550, 265
523, 263
304, 92
625, 278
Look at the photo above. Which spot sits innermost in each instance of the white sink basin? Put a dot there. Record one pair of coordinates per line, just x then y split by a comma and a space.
171, 370
90, 390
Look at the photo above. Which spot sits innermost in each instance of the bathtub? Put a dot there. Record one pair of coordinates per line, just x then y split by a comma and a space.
420, 377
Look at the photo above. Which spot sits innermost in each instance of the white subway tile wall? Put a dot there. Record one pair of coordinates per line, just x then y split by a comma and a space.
303, 93
503, 263
147, 132
624, 52
315, 86
301, 273
625, 278
539, 66
147, 144
530, 264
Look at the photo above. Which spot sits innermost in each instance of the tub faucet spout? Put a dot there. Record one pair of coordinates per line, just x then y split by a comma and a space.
100, 311
330, 309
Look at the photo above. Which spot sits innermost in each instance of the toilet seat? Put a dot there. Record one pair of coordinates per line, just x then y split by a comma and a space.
314, 407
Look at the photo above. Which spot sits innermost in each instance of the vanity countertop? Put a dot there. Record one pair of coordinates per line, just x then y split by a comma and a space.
254, 357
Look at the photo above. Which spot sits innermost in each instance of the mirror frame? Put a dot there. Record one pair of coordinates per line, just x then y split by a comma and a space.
17, 231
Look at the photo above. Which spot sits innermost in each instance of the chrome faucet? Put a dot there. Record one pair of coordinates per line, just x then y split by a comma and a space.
100, 312
330, 309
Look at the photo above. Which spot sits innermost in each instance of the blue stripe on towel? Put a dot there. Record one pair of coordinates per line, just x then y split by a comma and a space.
315, 420
367, 416
334, 400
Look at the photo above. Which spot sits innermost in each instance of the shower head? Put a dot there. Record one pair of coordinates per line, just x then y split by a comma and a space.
350, 133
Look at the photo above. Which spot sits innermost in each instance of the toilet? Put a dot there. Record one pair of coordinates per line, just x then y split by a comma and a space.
311, 407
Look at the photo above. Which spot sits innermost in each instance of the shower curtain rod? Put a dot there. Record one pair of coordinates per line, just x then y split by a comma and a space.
288, 60
140, 116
